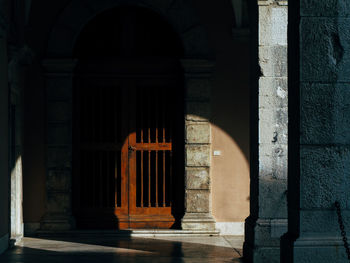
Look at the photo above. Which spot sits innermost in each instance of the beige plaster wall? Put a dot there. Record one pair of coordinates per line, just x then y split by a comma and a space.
230, 179
230, 134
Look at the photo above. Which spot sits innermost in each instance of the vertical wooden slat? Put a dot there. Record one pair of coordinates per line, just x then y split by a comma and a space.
141, 178
115, 114
93, 115
170, 176
76, 157
163, 113
116, 175
156, 178
81, 180
86, 115
132, 87
116, 98
93, 178
156, 113
141, 115
122, 185
149, 178
107, 179
101, 153
101, 115
170, 121
164, 178
149, 117
124, 180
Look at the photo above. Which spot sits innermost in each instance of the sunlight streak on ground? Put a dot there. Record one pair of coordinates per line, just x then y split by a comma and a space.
74, 247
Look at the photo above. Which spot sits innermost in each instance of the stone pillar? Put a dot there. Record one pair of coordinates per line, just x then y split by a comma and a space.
4, 158
322, 152
59, 81
268, 212
198, 214
20, 60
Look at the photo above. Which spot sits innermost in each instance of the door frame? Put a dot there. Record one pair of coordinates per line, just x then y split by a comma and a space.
129, 215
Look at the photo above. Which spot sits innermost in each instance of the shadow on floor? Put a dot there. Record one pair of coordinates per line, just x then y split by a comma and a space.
121, 249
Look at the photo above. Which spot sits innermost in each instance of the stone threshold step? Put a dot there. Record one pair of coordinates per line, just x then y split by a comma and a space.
126, 233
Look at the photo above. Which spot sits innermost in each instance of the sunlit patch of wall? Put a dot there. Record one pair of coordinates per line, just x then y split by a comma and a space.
230, 182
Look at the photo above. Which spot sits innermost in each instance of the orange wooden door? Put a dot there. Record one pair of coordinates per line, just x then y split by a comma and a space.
124, 152
150, 153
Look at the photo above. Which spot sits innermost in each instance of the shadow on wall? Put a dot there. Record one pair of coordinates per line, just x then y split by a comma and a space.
230, 95
145, 47
230, 92
152, 37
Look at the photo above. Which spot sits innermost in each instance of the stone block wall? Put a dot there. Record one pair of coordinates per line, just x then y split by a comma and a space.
198, 213
322, 137
268, 219
59, 84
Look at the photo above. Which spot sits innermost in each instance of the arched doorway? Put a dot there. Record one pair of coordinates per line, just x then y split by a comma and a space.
160, 54
128, 128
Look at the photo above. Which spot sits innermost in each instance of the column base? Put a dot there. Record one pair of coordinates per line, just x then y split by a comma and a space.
198, 221
262, 240
57, 222
319, 247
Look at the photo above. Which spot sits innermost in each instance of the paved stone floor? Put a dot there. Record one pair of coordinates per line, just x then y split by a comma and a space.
182, 249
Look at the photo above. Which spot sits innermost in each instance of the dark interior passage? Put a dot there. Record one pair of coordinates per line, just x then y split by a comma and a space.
128, 123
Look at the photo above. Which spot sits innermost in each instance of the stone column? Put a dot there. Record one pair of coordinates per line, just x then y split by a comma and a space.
59, 81
198, 214
4, 158
19, 61
268, 212
322, 138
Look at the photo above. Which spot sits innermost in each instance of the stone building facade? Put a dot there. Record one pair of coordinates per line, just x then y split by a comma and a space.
298, 119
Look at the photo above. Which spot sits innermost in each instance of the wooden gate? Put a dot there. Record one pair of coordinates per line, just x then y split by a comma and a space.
124, 165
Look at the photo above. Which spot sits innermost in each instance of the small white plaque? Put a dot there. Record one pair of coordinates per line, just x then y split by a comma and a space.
217, 153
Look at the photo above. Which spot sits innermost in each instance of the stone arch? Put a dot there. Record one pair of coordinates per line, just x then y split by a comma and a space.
60, 66
78, 13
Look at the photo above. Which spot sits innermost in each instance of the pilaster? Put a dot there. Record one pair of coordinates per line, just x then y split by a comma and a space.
20, 60
322, 172
268, 217
59, 90
4, 136
198, 214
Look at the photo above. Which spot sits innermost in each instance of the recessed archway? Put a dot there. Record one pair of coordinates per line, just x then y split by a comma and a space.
128, 167
165, 47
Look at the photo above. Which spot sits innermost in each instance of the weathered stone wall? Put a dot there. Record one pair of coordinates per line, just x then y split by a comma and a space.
323, 135
198, 212
268, 219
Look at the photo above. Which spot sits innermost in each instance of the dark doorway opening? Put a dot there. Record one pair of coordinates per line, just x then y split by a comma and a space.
128, 122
